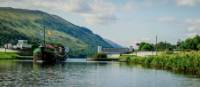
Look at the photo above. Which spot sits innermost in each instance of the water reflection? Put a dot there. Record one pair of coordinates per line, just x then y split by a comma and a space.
87, 74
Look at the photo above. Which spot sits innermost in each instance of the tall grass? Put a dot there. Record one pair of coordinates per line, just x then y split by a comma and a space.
185, 62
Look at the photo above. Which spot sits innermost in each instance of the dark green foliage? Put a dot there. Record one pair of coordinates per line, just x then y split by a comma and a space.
161, 46
143, 46
9, 35
101, 56
198, 46
190, 43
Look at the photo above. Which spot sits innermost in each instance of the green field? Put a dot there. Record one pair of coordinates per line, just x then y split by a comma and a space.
8, 55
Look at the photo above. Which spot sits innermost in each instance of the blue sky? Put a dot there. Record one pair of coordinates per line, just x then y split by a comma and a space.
125, 21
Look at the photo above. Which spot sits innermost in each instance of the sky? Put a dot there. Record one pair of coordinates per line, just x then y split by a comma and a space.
125, 22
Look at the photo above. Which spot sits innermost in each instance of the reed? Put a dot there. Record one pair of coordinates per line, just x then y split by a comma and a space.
185, 62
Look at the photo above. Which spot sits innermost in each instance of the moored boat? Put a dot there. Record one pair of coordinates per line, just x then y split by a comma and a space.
50, 53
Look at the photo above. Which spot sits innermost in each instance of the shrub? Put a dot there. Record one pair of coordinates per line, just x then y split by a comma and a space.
169, 52
101, 55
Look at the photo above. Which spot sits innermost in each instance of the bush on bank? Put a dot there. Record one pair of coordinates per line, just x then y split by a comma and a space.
100, 56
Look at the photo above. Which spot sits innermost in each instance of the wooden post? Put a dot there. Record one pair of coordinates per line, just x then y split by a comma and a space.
6, 46
156, 44
5, 49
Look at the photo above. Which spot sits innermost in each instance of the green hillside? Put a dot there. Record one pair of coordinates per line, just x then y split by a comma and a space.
28, 24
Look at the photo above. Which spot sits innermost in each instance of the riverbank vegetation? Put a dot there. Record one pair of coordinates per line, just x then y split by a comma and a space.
185, 62
99, 57
8, 55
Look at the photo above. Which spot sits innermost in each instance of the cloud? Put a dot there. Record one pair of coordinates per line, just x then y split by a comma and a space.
100, 19
167, 19
176, 2
129, 6
5, 0
98, 11
146, 39
192, 34
93, 11
187, 2
194, 25
78, 6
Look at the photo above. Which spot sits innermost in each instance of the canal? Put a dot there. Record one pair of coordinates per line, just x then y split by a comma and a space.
80, 73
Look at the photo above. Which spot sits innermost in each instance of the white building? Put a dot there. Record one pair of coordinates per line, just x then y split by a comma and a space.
8, 46
22, 44
100, 49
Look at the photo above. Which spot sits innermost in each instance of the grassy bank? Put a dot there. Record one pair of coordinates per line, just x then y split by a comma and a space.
184, 62
8, 55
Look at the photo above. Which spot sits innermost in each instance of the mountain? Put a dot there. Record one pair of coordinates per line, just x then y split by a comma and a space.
113, 44
26, 24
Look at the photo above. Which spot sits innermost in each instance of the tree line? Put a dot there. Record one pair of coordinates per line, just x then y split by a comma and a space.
187, 44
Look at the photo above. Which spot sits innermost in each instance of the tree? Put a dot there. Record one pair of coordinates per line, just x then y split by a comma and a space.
198, 46
165, 46
190, 43
144, 46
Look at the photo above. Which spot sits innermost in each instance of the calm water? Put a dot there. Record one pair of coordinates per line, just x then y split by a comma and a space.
79, 73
